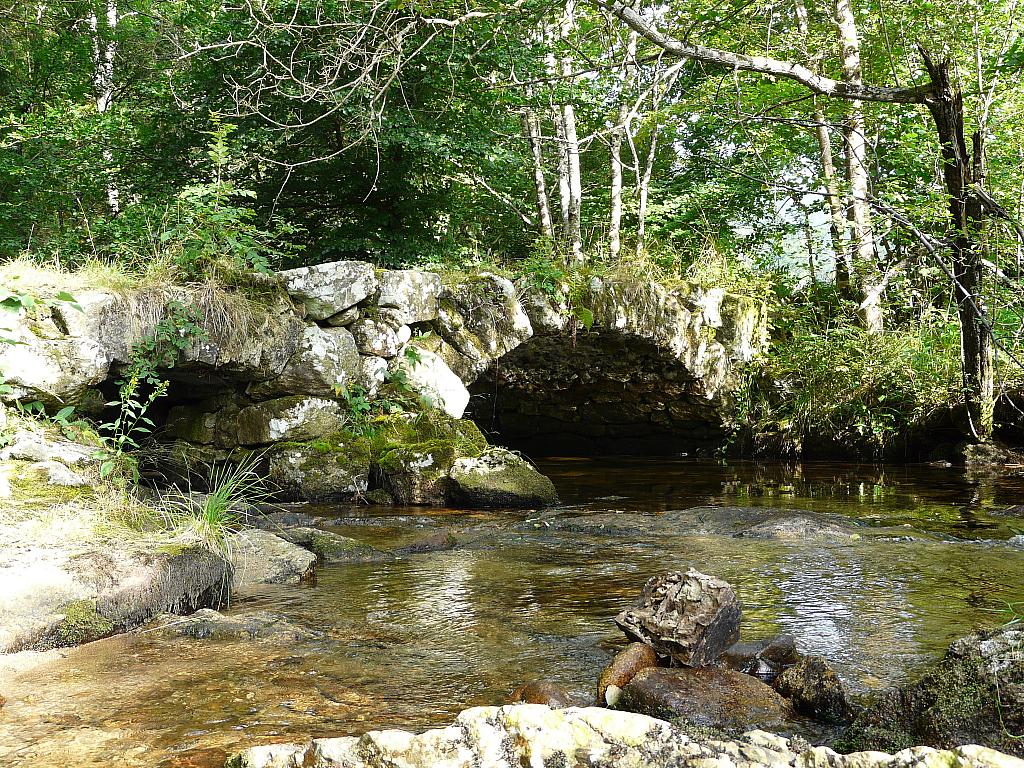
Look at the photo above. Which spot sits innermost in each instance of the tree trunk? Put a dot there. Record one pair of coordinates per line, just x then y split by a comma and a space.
618, 135
859, 212
967, 214
837, 221
563, 168
572, 145
644, 192
531, 126
104, 50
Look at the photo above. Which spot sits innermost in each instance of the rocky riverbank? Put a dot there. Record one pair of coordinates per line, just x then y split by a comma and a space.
537, 736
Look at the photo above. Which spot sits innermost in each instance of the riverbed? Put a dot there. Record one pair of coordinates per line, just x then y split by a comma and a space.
921, 558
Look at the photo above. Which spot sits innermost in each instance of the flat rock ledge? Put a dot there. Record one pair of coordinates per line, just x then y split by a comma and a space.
536, 736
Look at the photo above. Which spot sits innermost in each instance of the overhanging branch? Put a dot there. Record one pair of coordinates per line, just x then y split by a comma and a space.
765, 65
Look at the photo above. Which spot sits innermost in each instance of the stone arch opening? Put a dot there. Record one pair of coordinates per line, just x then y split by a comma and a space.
598, 392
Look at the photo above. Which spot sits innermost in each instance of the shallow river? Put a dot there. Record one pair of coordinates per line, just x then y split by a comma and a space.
408, 642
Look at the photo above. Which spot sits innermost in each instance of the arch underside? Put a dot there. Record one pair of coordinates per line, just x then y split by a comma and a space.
604, 392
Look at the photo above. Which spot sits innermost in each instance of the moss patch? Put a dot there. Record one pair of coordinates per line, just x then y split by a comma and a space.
82, 623
31, 486
958, 701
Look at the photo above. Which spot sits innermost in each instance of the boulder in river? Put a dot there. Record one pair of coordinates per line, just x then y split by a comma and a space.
500, 478
624, 667
974, 695
540, 692
213, 625
800, 528
707, 698
689, 617
815, 690
259, 557
330, 547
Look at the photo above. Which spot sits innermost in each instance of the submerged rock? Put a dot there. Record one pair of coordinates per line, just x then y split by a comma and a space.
433, 542
799, 528
500, 478
330, 547
974, 695
624, 667
260, 557
815, 690
706, 697
688, 617
210, 624
540, 692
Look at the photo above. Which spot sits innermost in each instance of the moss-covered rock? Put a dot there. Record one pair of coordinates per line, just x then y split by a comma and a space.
81, 623
975, 695
500, 478
330, 468
418, 474
289, 419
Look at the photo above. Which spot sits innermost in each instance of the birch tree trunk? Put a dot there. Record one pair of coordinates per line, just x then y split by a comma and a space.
531, 127
569, 182
563, 167
859, 211
104, 50
618, 136
837, 221
643, 192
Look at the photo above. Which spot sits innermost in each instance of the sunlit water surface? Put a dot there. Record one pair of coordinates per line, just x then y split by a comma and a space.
408, 642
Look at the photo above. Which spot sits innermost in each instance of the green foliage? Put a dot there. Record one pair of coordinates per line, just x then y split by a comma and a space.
859, 390
120, 437
210, 518
175, 332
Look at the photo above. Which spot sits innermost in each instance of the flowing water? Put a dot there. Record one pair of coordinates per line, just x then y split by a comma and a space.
408, 642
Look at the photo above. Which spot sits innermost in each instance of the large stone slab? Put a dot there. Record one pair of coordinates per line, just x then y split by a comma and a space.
327, 289
326, 360
58, 595
481, 319
428, 374
289, 419
412, 292
690, 618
